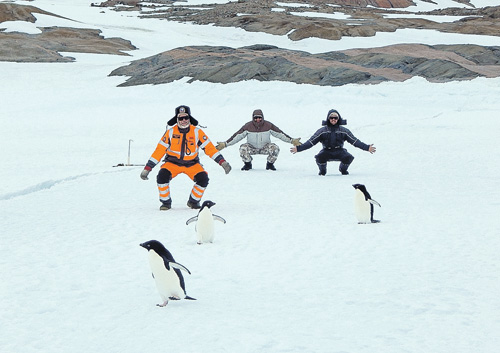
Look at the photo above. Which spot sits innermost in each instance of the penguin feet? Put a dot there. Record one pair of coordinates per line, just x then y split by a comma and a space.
174, 298
162, 305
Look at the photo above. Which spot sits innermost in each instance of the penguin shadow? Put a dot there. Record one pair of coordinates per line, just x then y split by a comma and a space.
205, 219
364, 205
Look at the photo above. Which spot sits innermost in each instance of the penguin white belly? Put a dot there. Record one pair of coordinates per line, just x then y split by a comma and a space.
362, 208
205, 226
167, 282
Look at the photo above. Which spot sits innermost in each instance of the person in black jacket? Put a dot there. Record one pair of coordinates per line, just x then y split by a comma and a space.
332, 135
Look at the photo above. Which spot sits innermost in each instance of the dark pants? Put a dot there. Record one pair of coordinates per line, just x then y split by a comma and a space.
164, 176
336, 154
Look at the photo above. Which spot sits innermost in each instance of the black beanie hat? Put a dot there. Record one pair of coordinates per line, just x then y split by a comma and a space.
182, 109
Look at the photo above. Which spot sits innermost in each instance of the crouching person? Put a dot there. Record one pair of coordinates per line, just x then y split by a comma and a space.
258, 133
332, 135
180, 145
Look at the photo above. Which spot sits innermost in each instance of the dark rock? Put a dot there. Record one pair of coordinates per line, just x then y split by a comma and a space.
269, 63
45, 47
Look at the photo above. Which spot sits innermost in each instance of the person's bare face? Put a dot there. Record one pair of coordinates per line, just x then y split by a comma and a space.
183, 120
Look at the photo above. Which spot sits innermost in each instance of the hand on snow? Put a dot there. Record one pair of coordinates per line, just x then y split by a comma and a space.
296, 142
220, 145
372, 149
226, 166
144, 174
293, 149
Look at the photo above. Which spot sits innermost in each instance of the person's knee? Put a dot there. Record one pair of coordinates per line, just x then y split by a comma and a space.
347, 159
201, 179
274, 149
321, 158
164, 176
245, 148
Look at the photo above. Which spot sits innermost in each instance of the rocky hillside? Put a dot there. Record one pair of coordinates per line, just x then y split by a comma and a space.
267, 63
298, 20
325, 19
45, 46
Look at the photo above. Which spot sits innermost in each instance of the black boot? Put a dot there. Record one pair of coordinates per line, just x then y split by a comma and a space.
322, 168
343, 168
166, 205
192, 203
270, 166
247, 166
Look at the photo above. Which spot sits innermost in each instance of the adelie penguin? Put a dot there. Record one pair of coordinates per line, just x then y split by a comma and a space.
205, 223
363, 205
166, 272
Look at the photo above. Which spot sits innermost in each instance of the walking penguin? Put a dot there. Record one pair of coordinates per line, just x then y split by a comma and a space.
363, 205
166, 272
205, 223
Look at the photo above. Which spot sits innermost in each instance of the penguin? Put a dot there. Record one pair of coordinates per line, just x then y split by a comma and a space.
363, 205
205, 223
166, 272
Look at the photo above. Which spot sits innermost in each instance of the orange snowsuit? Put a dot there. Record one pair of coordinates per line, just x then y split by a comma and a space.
180, 149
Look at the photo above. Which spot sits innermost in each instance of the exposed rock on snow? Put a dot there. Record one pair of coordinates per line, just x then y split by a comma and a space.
331, 20
266, 63
45, 47
14, 12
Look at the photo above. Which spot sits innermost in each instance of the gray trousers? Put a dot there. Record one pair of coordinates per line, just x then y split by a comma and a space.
247, 150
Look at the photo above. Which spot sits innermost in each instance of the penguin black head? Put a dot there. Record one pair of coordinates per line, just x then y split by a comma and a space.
157, 247
208, 204
362, 188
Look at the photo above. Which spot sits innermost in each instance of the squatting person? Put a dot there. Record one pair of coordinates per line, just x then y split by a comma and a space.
258, 133
332, 135
180, 144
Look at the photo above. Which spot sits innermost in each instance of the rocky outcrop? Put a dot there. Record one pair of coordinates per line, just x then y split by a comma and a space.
360, 18
15, 12
268, 63
438, 63
46, 46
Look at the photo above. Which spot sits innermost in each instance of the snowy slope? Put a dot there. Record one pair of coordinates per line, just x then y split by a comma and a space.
291, 271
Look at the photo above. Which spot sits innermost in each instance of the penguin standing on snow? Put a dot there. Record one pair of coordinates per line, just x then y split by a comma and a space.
363, 205
205, 223
166, 272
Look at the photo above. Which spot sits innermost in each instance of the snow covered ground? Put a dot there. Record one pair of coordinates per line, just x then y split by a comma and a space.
291, 270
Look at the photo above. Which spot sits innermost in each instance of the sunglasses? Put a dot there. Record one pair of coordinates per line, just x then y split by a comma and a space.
257, 117
183, 118
333, 117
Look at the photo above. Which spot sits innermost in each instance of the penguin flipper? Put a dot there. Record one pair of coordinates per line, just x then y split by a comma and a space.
373, 202
219, 218
191, 220
179, 267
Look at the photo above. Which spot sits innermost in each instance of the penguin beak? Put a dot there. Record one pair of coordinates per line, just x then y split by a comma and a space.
142, 244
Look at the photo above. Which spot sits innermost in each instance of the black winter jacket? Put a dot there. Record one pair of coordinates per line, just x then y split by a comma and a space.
332, 137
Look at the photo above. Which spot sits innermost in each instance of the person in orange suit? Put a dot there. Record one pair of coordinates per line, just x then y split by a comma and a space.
180, 145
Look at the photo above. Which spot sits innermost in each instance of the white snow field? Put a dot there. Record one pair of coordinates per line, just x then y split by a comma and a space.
291, 270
